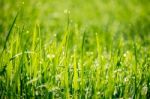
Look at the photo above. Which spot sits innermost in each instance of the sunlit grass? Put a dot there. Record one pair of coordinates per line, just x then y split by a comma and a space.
92, 49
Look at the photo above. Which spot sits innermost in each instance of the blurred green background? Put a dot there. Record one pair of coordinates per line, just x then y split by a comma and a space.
100, 15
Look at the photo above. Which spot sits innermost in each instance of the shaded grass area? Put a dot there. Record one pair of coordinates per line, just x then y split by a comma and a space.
75, 49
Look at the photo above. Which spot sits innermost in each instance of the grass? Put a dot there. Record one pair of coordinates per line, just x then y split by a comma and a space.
94, 49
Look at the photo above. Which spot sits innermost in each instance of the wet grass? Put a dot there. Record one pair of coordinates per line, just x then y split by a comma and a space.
75, 49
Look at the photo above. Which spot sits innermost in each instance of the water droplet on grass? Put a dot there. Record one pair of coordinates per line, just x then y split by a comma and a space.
66, 11
22, 3
144, 90
50, 56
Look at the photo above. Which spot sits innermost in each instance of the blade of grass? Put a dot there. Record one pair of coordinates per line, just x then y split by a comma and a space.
9, 32
75, 77
82, 68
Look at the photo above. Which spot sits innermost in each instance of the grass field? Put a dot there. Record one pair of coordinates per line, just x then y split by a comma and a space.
75, 49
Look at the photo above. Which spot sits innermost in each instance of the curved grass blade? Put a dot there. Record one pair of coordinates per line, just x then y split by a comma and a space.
9, 32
